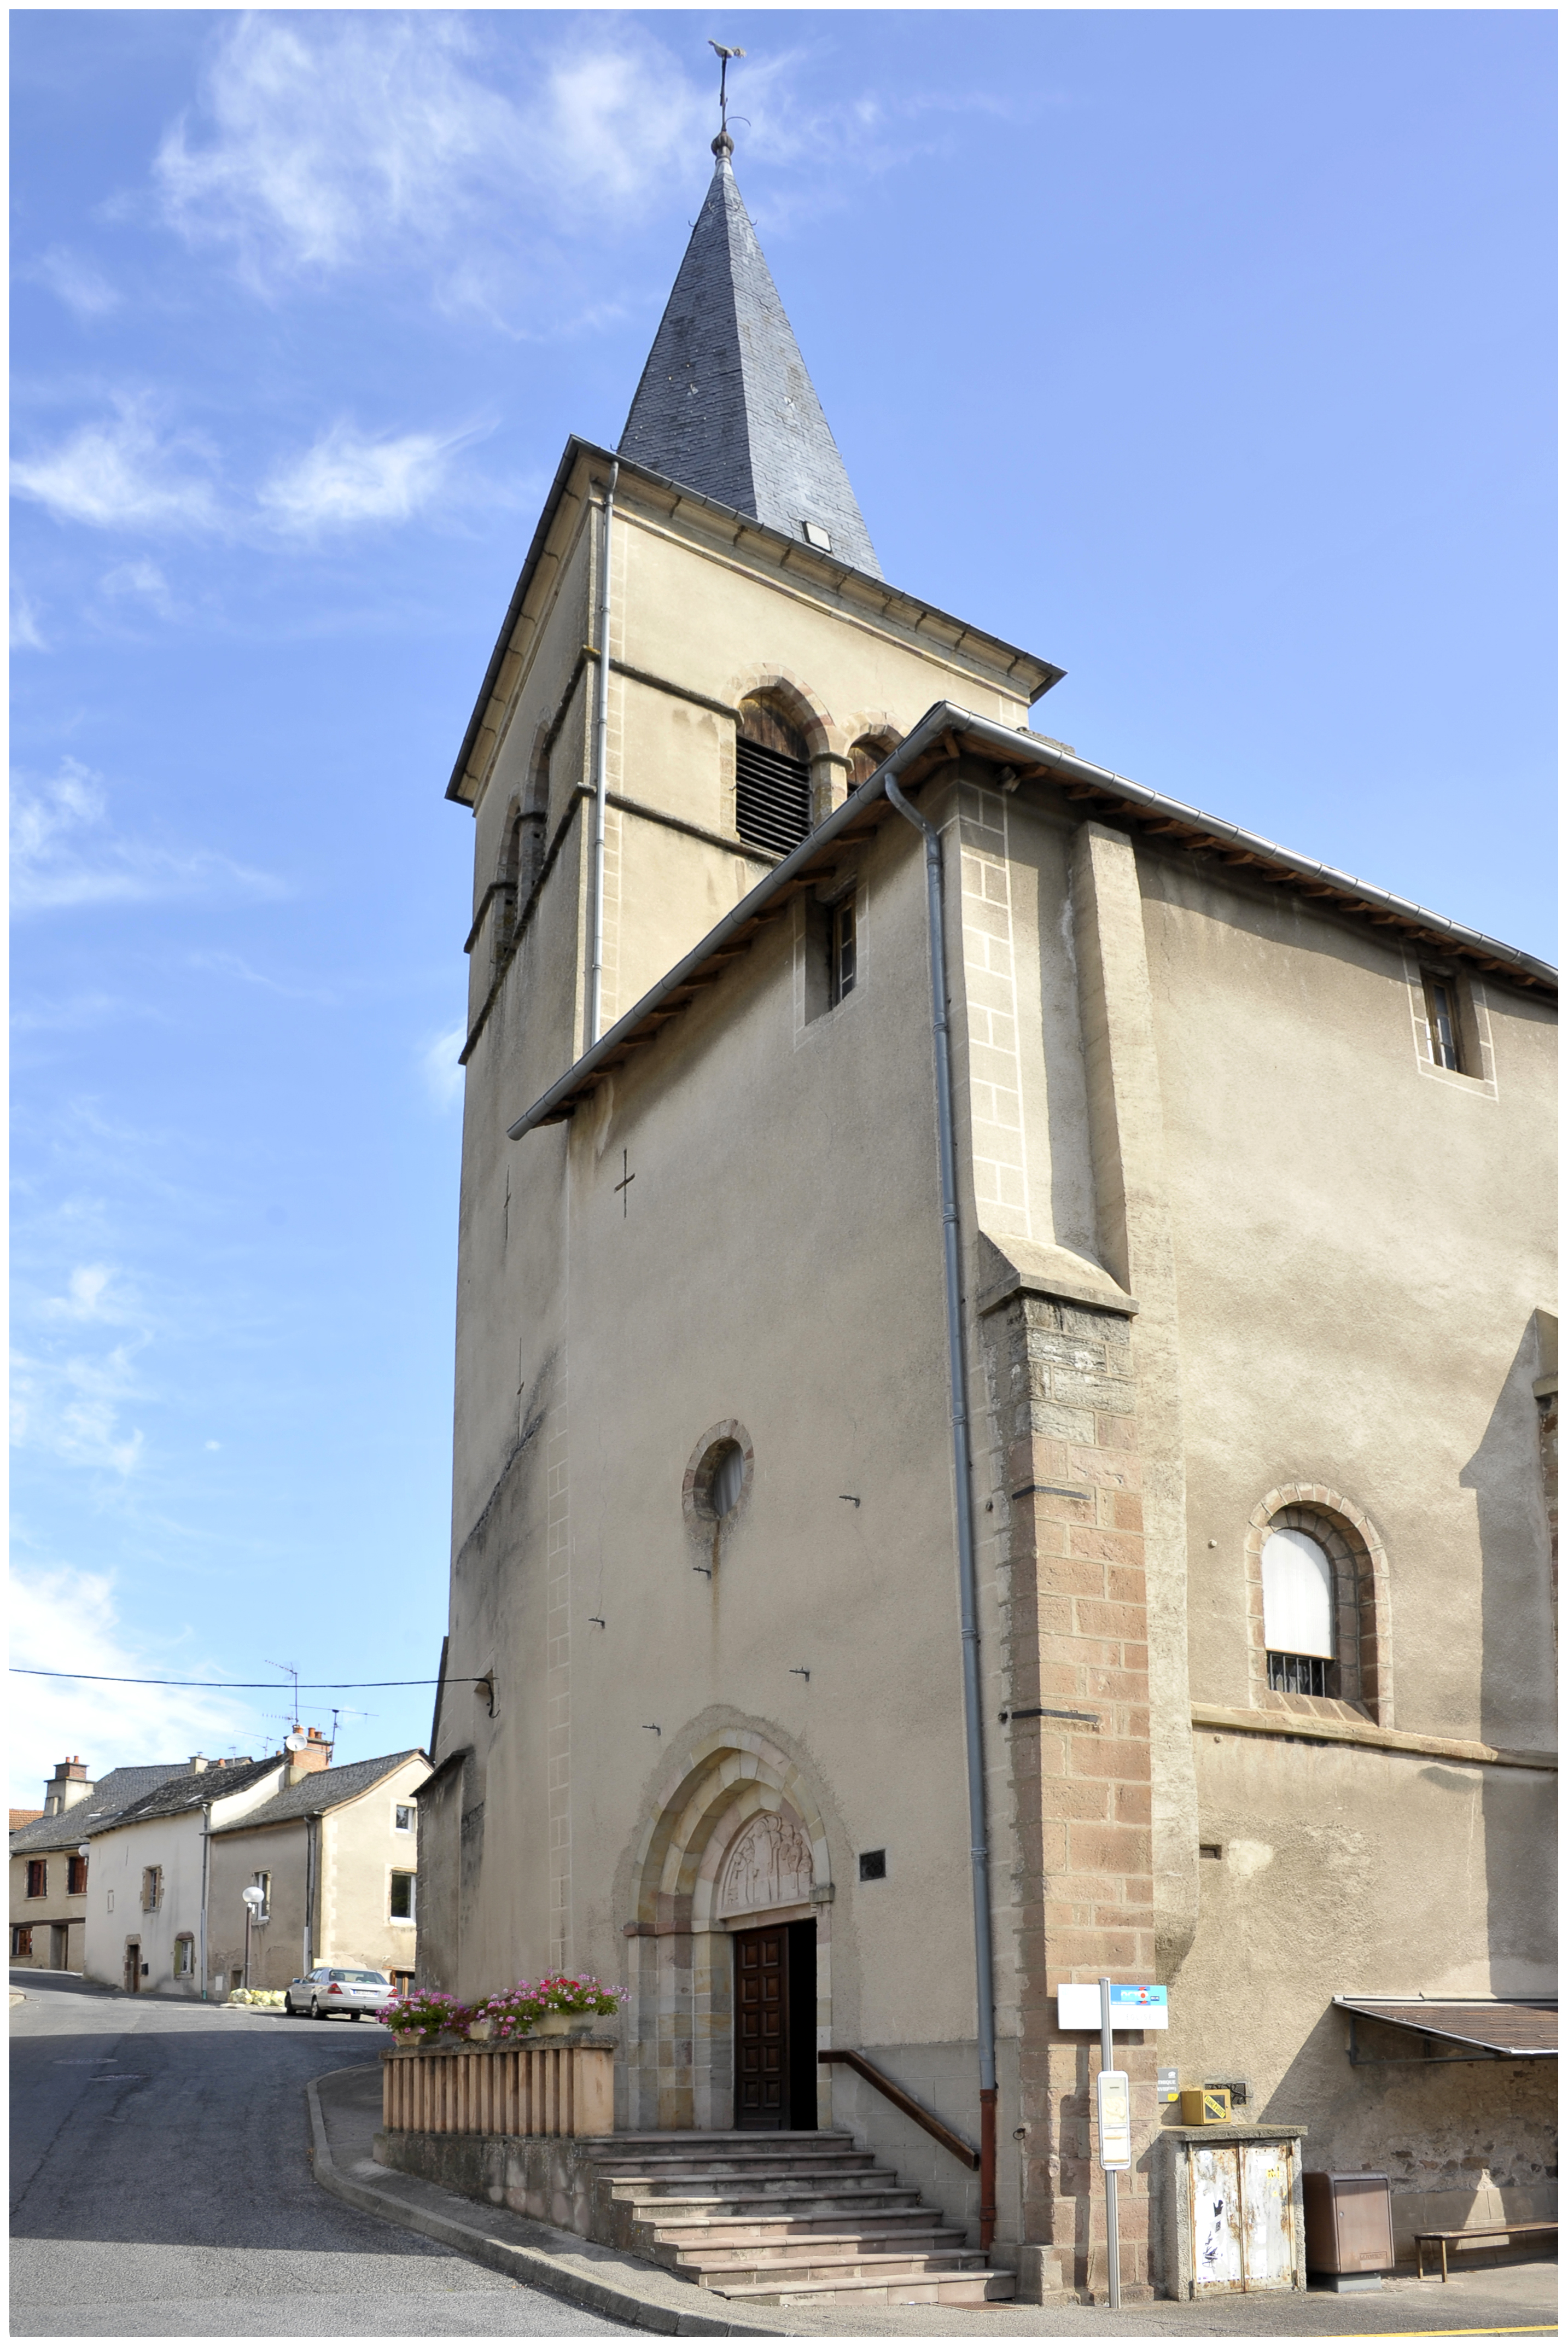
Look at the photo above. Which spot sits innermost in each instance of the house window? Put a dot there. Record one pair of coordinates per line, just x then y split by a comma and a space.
403, 1898
264, 1883
185, 1957
841, 950
38, 1878
874, 1866
772, 778
402, 1818
21, 1939
151, 1888
1298, 1615
75, 1876
108, 1902
1443, 1023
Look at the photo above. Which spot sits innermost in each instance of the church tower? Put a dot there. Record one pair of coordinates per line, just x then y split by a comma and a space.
861, 1382
699, 659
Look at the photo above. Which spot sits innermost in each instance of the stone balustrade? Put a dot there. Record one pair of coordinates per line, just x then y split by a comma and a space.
561, 2087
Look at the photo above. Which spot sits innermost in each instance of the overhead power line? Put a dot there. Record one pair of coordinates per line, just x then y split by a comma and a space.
241, 1686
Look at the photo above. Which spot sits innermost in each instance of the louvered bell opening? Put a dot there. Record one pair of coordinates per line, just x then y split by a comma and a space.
772, 797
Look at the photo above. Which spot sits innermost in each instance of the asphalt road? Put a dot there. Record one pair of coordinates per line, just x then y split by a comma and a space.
160, 2188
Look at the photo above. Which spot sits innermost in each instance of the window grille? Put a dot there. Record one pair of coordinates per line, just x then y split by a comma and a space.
1299, 1674
772, 796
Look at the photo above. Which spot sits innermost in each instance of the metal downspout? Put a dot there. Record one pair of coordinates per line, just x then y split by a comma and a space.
958, 1383
206, 1857
601, 772
313, 1837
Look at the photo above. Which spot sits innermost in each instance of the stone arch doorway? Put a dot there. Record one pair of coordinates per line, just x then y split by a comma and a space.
737, 1845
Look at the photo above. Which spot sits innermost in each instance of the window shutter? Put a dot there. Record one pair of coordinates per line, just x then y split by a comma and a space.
1297, 1596
772, 796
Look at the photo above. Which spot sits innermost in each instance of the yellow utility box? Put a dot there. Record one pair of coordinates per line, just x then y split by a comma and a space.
1205, 2105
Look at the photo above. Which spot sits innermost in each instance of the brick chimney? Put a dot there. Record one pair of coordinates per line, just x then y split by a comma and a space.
316, 1754
68, 1785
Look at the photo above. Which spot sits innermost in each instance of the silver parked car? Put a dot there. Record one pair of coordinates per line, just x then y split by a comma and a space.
333, 1989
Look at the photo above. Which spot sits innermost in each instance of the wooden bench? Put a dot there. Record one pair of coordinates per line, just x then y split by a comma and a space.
1459, 2234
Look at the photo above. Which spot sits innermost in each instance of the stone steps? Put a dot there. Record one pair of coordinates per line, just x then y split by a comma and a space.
895, 2231
786, 2218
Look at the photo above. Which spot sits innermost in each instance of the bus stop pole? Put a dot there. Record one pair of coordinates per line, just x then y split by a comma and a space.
1112, 2239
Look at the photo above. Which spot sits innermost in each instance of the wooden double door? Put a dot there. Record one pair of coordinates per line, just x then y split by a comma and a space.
775, 2026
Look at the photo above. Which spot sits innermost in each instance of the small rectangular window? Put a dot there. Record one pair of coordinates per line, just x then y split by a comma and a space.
873, 1866
264, 1883
21, 1939
38, 1878
75, 1876
184, 1958
1443, 1023
151, 1888
402, 1818
108, 1902
841, 950
403, 1899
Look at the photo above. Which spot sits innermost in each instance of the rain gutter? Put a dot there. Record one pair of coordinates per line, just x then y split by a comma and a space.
1026, 754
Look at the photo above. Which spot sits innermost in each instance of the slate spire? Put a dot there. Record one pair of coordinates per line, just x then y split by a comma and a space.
725, 405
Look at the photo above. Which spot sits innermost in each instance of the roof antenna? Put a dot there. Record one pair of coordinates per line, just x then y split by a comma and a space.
724, 144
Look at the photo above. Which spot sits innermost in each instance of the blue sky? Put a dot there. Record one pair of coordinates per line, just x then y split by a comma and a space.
1209, 354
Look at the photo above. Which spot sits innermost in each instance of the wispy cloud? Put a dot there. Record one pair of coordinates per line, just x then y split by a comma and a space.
233, 964
63, 1617
349, 477
123, 473
26, 633
78, 282
438, 1066
86, 1296
72, 1408
141, 580
351, 141
66, 852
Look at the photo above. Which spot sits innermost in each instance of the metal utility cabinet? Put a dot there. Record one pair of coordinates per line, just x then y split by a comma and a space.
1233, 2213
1349, 2228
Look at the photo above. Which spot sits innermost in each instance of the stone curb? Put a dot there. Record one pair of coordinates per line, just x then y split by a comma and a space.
642, 2296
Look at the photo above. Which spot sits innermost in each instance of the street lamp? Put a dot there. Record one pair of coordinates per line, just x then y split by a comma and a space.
255, 1899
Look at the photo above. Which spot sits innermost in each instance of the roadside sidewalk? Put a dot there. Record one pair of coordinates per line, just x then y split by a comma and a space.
1520, 2299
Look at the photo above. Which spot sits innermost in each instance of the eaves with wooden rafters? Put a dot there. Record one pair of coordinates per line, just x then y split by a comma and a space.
944, 735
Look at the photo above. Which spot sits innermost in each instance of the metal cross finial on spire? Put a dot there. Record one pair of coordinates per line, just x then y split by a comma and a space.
724, 144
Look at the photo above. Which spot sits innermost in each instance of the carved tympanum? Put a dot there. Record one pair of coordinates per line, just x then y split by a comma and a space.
770, 1866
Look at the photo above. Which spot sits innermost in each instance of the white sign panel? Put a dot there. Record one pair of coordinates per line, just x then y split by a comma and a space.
1114, 2110
1134, 2005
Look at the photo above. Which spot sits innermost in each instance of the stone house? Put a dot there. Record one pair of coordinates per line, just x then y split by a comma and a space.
1217, 1651
335, 1853
147, 1907
49, 1868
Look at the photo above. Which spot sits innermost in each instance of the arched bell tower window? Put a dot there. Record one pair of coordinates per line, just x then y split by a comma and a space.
866, 754
773, 777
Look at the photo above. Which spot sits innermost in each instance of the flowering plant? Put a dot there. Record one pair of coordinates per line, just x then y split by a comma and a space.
427, 2014
514, 2010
